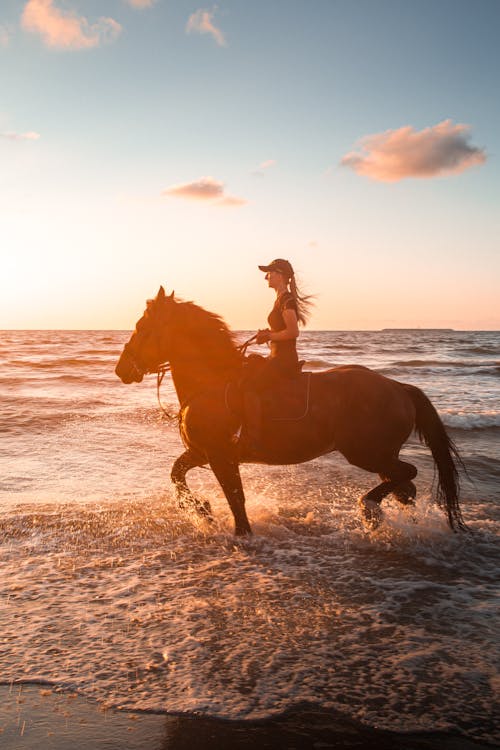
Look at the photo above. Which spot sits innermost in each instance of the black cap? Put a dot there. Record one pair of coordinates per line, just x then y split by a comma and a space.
279, 265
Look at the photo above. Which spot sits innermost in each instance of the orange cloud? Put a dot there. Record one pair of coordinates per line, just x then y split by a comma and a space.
396, 154
205, 189
141, 3
65, 29
230, 200
30, 136
259, 172
200, 22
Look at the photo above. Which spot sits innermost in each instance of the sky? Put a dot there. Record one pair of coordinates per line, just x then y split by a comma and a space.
148, 142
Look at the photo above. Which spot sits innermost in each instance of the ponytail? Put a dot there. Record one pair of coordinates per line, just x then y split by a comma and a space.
304, 302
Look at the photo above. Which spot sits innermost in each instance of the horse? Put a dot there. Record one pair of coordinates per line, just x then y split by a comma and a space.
364, 415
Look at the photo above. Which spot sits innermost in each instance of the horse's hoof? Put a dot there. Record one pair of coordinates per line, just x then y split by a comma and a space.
371, 514
189, 504
405, 493
243, 531
203, 509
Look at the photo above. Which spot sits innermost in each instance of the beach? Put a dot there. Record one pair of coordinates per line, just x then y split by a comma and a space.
34, 717
116, 605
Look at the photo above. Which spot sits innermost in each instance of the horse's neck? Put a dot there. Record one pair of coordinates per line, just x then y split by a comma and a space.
193, 374
188, 383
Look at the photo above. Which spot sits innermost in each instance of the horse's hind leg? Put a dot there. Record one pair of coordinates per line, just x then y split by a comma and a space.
401, 473
370, 503
396, 476
185, 498
405, 493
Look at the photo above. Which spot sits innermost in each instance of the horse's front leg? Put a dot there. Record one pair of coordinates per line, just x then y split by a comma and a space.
185, 498
227, 470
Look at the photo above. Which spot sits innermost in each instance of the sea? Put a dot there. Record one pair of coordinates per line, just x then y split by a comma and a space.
109, 590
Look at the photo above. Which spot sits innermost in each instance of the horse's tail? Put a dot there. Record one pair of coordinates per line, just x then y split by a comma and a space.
431, 431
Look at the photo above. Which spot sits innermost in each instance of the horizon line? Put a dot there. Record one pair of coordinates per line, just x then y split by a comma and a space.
248, 330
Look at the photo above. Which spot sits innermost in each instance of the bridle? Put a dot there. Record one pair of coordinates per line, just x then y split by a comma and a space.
160, 371
136, 368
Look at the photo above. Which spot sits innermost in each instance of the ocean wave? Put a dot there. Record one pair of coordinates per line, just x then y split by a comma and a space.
444, 363
53, 379
396, 348
471, 420
494, 350
54, 363
323, 363
492, 371
24, 419
43, 422
350, 347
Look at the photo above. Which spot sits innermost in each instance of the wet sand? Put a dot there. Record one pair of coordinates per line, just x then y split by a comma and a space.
40, 717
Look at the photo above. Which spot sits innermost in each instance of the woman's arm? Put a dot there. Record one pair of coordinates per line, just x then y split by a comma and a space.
290, 332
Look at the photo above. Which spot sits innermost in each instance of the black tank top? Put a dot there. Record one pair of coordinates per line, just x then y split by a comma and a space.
285, 351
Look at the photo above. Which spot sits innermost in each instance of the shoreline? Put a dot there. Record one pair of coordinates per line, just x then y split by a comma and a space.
37, 715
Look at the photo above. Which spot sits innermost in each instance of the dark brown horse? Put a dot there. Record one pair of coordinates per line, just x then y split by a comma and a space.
364, 415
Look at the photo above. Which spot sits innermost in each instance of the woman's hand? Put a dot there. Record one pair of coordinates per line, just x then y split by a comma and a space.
263, 336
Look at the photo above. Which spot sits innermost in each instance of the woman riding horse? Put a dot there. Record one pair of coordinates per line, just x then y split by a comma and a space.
290, 309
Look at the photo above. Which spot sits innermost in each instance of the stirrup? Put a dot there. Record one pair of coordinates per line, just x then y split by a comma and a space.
236, 436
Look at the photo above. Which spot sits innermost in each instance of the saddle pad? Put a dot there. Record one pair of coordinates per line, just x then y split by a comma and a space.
289, 402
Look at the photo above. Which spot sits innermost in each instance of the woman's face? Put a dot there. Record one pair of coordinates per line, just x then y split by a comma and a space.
275, 279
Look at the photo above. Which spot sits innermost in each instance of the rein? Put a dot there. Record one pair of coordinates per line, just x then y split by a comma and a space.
243, 347
162, 370
160, 374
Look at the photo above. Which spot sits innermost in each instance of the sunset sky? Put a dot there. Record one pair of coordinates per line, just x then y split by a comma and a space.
149, 142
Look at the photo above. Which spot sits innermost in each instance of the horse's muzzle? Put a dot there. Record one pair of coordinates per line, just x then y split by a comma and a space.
127, 370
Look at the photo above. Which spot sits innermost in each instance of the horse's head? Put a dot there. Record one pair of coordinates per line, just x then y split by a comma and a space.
147, 348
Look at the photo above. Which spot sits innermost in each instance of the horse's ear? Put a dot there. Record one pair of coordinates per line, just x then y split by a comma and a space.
171, 297
161, 294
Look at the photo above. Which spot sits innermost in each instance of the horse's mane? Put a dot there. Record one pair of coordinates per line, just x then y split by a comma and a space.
208, 333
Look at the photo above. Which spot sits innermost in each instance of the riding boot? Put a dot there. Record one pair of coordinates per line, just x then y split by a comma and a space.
253, 420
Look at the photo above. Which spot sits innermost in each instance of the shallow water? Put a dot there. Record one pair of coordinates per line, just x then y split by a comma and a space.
107, 588
34, 716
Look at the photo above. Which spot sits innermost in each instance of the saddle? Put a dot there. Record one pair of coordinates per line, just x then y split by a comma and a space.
288, 400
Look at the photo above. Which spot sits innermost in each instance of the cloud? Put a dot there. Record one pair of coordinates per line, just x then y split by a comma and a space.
267, 164
141, 3
230, 200
65, 29
204, 189
30, 136
395, 154
259, 172
200, 22
207, 190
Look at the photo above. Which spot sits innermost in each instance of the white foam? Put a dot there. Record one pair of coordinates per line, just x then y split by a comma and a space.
137, 607
467, 420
